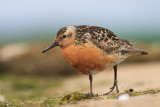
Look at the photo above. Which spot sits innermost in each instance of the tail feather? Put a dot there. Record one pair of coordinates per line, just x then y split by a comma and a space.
134, 51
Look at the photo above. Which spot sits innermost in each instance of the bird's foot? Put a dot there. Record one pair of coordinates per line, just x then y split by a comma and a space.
92, 95
112, 88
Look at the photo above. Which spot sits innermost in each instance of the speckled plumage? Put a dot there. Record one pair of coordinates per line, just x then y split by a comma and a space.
91, 49
101, 37
61, 31
78, 43
83, 46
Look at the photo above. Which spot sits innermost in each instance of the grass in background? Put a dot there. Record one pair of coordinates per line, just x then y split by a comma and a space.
13, 87
32, 91
33, 62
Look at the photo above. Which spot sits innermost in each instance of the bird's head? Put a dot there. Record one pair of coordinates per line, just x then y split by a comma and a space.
64, 38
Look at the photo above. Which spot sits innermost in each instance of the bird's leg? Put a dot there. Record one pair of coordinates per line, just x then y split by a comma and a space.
115, 78
115, 82
91, 92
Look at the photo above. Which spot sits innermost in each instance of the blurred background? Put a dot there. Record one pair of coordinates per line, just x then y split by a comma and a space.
29, 26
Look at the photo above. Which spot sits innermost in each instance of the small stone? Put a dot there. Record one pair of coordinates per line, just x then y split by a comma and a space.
123, 97
131, 90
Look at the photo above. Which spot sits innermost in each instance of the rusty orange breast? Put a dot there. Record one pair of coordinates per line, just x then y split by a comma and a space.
87, 57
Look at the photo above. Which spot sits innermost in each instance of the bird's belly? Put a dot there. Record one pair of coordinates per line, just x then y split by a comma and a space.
88, 59
106, 67
121, 57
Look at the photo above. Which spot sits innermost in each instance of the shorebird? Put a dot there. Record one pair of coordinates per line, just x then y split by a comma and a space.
92, 49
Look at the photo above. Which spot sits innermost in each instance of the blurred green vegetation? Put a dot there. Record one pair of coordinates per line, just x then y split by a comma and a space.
33, 62
13, 86
69, 98
140, 37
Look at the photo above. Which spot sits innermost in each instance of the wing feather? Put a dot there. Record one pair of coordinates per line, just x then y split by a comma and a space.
108, 41
102, 38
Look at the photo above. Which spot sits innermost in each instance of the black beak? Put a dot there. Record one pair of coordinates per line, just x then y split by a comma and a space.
54, 44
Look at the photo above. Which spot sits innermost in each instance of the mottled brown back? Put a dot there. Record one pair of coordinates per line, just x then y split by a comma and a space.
101, 37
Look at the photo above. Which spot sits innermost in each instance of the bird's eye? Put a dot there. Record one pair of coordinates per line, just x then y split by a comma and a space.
64, 36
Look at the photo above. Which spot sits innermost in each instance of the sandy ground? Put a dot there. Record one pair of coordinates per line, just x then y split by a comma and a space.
136, 76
